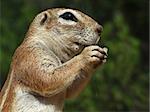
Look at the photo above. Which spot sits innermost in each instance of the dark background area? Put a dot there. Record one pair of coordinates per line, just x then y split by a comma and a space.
122, 84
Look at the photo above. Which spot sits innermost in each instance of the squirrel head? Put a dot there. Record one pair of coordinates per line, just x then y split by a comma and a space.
65, 31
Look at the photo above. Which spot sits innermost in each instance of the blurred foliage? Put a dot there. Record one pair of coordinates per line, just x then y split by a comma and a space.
122, 83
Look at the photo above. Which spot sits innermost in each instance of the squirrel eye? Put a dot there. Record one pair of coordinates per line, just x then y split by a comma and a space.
69, 16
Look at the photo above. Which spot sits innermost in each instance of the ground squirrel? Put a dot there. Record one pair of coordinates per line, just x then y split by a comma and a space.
54, 62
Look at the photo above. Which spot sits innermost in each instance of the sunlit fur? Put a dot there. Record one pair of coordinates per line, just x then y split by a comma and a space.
45, 69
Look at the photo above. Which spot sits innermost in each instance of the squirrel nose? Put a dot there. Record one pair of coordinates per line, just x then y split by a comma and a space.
99, 29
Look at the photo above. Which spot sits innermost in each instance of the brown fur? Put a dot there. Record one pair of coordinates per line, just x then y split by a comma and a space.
52, 63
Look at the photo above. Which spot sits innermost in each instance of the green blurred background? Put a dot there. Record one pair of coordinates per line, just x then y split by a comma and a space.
122, 84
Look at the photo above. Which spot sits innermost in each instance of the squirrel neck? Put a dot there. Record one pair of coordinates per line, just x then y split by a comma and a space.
60, 48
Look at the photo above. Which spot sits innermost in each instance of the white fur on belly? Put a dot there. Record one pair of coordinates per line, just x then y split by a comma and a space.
26, 102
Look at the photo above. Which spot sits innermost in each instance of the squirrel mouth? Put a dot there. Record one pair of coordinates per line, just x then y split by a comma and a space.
87, 44
79, 44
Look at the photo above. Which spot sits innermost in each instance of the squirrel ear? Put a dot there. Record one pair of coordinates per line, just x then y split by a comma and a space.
43, 18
